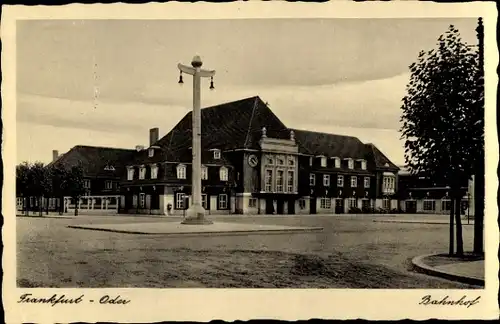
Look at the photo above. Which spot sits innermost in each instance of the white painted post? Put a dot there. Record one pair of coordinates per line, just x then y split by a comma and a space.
195, 214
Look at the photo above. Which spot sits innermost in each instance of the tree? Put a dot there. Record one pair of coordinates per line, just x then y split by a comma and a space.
39, 183
479, 176
443, 118
76, 184
22, 183
60, 184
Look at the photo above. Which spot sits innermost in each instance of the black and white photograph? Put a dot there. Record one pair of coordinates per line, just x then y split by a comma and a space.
279, 153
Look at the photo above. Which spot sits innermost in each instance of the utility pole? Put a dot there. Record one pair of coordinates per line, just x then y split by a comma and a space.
195, 214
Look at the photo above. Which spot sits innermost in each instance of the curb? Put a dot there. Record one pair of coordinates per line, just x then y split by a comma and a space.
421, 267
416, 222
209, 233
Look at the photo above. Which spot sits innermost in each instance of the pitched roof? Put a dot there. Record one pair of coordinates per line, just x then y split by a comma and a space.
94, 159
381, 161
228, 126
331, 145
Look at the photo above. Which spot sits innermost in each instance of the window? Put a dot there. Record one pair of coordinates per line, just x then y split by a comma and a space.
130, 174
289, 182
86, 184
151, 152
204, 201
310, 161
252, 202
325, 203
223, 201
312, 179
179, 200
367, 182
365, 203
354, 182
291, 161
109, 168
142, 200
326, 180
302, 203
340, 181
337, 162
386, 203
350, 164
142, 173
216, 154
429, 205
280, 161
323, 162
352, 202
363, 164
181, 171
270, 160
446, 205
223, 174
154, 171
269, 180
388, 184
204, 173
108, 184
279, 181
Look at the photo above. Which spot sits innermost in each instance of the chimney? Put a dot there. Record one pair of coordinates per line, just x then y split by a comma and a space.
154, 133
55, 155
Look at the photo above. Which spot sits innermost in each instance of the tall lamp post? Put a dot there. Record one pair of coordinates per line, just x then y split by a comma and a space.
195, 214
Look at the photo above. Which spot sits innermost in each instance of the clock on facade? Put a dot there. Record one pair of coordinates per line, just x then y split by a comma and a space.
253, 161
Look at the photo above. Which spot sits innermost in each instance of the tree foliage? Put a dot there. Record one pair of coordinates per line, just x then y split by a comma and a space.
443, 116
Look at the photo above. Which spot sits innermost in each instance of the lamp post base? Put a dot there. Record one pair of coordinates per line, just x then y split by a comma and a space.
195, 215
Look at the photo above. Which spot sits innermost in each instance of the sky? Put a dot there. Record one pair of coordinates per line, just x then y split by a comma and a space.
107, 82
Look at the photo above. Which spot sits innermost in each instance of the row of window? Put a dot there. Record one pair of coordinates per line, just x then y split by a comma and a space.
340, 181
389, 184
282, 184
430, 205
108, 184
337, 162
181, 172
280, 160
180, 201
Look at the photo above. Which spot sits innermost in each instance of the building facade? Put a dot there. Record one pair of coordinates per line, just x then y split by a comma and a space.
254, 164
423, 195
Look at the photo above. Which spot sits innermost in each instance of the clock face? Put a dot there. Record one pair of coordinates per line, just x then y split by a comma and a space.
253, 161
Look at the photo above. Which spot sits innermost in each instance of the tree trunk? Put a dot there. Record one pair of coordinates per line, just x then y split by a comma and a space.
452, 235
458, 216
47, 207
61, 205
40, 207
76, 206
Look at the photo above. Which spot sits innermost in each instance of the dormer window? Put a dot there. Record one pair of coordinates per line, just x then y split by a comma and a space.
310, 161
216, 154
142, 172
350, 163
223, 174
181, 171
154, 171
337, 162
204, 172
151, 152
363, 164
130, 173
109, 168
323, 161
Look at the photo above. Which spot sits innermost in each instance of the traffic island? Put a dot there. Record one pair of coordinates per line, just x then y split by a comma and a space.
178, 229
468, 269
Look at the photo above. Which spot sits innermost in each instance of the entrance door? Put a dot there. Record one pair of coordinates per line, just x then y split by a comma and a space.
339, 206
411, 206
279, 206
269, 207
312, 204
291, 207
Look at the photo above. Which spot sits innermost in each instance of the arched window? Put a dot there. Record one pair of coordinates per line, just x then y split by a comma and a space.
223, 174
181, 171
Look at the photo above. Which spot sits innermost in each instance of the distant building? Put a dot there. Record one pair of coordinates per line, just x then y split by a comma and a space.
254, 164
421, 194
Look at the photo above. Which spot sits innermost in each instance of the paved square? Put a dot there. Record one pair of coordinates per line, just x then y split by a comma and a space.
350, 252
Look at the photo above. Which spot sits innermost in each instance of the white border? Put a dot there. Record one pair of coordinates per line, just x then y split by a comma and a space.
151, 305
